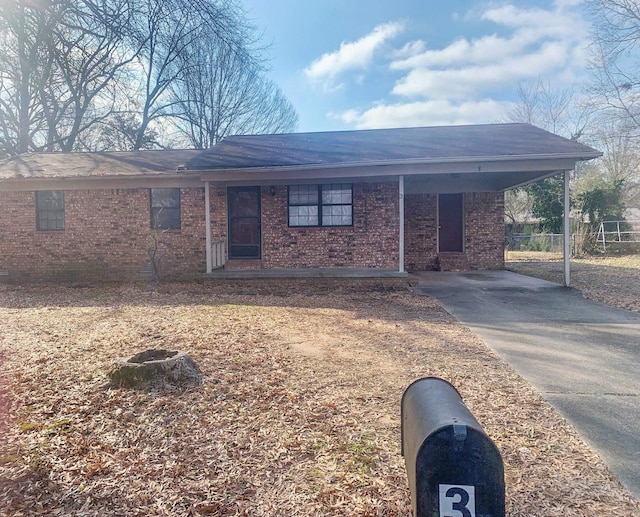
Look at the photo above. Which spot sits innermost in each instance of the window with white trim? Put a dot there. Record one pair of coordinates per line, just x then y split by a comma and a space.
321, 205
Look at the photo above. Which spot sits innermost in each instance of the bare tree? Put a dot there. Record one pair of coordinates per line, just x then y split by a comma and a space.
24, 33
615, 57
557, 111
119, 132
517, 208
114, 74
60, 64
620, 163
188, 46
225, 92
164, 31
271, 111
560, 111
92, 56
565, 113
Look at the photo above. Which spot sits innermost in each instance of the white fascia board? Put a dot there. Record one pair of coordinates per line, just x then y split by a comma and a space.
396, 168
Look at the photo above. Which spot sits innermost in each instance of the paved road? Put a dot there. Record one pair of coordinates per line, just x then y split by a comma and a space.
583, 356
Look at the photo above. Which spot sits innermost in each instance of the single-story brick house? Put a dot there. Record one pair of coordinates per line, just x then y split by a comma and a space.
377, 201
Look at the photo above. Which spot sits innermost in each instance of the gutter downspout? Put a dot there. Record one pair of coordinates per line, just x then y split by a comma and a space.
207, 218
566, 230
401, 218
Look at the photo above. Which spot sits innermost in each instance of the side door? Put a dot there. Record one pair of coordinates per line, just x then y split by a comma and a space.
450, 223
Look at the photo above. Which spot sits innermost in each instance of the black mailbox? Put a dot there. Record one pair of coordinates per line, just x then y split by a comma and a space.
454, 469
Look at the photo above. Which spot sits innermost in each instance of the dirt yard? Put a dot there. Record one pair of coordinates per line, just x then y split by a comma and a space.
298, 414
606, 279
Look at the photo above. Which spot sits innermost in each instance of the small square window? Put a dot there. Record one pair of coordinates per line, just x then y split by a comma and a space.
165, 209
50, 210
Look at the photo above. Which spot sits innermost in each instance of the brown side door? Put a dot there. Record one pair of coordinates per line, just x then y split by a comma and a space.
243, 205
450, 222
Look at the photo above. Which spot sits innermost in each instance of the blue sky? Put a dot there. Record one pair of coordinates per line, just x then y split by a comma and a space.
359, 64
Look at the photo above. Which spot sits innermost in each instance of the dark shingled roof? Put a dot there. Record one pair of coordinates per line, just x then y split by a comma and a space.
387, 145
73, 165
338, 148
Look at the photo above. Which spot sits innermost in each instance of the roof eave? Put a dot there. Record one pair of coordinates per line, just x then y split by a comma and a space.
470, 165
145, 180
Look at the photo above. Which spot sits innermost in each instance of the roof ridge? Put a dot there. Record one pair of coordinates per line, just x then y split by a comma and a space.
380, 129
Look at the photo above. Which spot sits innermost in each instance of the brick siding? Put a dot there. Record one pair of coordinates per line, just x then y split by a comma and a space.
218, 213
372, 241
107, 234
484, 229
420, 232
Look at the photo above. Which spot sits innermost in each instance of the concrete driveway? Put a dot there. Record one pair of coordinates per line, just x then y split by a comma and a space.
583, 356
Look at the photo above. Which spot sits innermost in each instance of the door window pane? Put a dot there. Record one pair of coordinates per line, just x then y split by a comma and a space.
243, 203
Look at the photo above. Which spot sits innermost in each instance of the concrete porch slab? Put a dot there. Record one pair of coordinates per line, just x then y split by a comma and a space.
306, 273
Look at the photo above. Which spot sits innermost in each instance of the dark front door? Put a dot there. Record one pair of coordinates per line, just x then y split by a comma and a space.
450, 222
243, 205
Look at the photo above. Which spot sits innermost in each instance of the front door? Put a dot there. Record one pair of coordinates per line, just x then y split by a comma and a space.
450, 222
243, 205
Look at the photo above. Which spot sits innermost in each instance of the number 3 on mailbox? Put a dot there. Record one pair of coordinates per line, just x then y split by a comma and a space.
457, 501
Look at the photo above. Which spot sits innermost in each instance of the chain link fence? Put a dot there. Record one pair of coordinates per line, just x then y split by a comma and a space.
548, 242
612, 237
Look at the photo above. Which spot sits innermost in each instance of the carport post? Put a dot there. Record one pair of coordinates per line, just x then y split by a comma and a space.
401, 230
207, 219
566, 230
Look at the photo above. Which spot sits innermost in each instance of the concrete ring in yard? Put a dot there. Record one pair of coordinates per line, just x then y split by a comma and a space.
156, 368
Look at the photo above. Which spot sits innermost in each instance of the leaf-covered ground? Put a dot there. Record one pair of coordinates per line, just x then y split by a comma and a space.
298, 414
614, 280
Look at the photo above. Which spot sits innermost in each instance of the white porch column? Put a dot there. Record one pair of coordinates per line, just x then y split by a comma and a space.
207, 218
566, 230
401, 219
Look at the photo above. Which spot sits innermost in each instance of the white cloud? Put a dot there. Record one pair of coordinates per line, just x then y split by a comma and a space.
356, 55
568, 3
473, 80
425, 113
413, 48
465, 82
541, 42
552, 21
486, 49
512, 16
